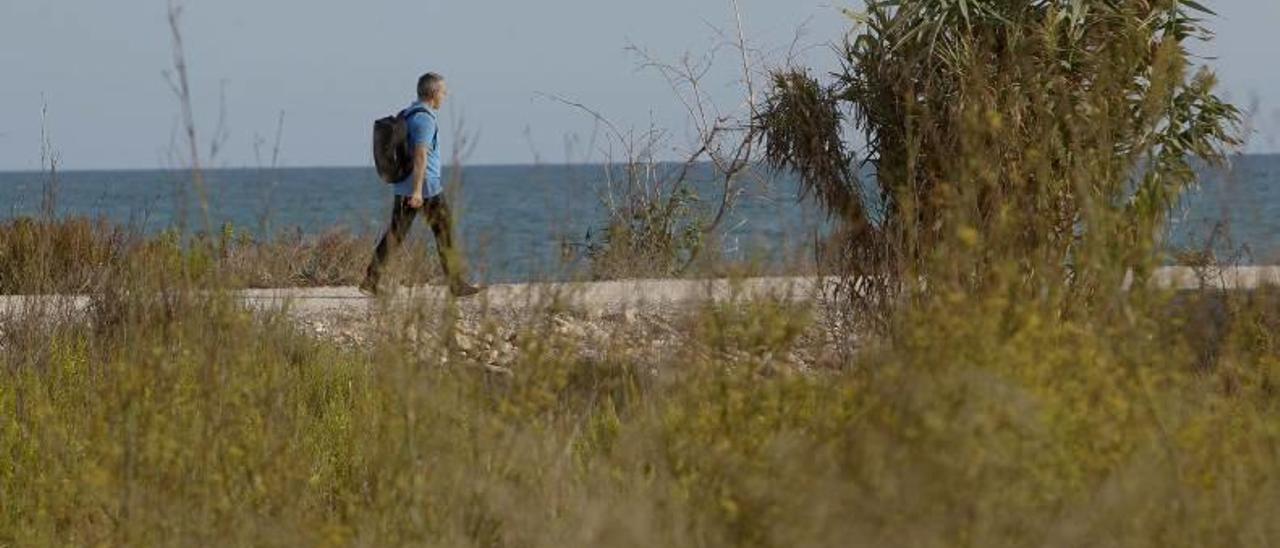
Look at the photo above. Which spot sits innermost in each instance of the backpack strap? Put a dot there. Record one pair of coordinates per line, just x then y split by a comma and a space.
416, 110
411, 112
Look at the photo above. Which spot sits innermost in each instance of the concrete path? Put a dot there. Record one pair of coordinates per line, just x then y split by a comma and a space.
620, 295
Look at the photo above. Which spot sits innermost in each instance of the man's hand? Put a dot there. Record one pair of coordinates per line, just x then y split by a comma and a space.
415, 201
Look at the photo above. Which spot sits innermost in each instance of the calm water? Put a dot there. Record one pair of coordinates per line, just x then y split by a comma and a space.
514, 219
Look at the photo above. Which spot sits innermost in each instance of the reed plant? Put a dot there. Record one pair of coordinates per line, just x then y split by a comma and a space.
1057, 135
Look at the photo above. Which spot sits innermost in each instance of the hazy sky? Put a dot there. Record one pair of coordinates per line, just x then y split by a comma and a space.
333, 66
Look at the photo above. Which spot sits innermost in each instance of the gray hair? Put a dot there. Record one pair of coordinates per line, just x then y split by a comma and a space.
429, 85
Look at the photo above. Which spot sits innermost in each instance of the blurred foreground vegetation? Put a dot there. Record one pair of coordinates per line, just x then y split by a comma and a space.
167, 416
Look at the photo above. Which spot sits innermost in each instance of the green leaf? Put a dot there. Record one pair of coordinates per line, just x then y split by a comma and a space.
857, 16
1198, 7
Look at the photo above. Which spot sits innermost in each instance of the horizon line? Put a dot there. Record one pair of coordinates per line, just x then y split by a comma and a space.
331, 166
370, 167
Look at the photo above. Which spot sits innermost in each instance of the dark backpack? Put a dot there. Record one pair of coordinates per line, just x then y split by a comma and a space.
391, 154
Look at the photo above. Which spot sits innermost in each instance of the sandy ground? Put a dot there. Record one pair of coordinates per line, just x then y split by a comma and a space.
605, 298
648, 321
645, 317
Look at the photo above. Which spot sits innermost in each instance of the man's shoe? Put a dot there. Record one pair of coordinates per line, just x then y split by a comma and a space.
369, 288
463, 290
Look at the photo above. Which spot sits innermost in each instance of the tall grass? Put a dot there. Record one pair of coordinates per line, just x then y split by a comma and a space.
168, 416
70, 255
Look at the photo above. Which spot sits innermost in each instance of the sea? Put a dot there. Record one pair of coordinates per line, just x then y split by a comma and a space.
532, 222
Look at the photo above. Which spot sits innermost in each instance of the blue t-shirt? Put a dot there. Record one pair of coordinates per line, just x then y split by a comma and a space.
423, 132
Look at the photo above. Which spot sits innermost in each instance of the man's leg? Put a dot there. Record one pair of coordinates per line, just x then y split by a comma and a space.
401, 220
441, 220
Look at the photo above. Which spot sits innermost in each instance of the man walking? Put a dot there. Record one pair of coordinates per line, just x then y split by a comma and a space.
422, 191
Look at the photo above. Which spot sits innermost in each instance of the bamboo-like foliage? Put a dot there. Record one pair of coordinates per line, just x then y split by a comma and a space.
1058, 133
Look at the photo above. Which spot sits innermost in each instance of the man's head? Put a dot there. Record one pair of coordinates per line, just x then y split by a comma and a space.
432, 90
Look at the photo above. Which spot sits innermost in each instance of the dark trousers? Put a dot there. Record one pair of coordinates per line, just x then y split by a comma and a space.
436, 211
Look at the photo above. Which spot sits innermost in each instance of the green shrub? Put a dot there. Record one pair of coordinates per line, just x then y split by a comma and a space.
1057, 135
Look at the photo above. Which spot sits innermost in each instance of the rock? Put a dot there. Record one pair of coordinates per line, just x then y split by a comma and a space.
465, 342
569, 328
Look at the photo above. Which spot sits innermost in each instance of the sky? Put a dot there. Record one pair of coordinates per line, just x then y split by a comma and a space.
333, 66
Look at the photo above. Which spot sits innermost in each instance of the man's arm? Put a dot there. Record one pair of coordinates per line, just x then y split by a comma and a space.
419, 175
421, 128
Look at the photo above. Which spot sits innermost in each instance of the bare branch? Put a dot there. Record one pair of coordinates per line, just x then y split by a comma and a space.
593, 113
220, 134
49, 159
181, 85
746, 63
